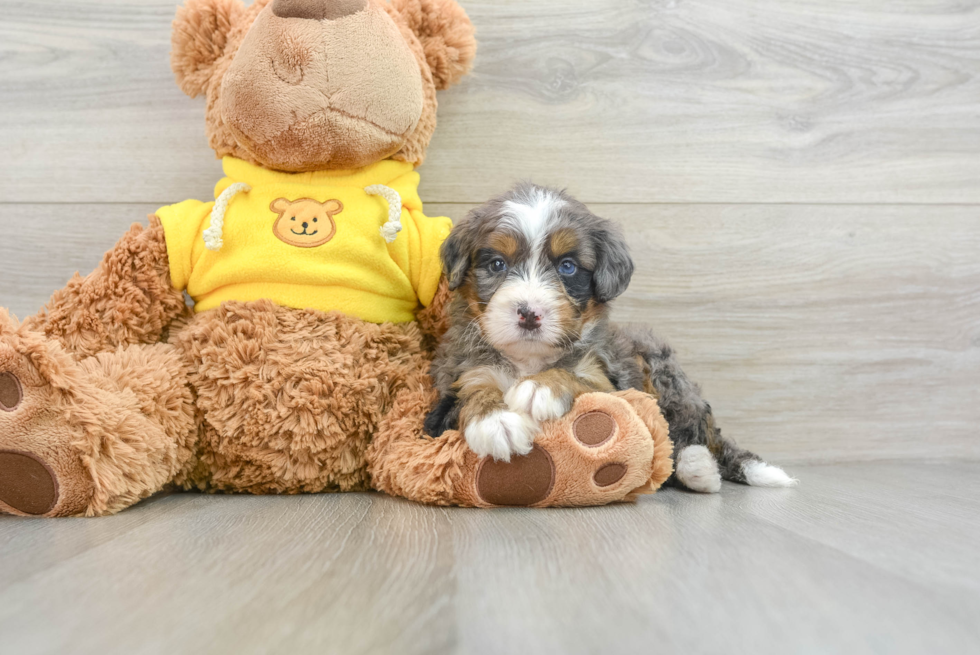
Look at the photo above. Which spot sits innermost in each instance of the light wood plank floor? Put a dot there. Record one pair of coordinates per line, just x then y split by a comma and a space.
860, 558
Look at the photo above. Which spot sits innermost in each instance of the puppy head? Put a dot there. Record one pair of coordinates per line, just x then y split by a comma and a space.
536, 268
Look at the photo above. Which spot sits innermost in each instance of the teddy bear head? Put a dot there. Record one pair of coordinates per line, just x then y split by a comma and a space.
303, 85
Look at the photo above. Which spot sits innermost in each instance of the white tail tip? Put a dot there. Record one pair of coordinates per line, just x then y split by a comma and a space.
760, 474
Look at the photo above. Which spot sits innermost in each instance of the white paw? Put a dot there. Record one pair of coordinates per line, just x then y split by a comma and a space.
537, 401
500, 435
698, 471
760, 474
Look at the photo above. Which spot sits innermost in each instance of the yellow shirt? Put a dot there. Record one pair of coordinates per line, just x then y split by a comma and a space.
310, 240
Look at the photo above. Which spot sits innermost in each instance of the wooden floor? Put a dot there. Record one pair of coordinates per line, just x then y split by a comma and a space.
860, 558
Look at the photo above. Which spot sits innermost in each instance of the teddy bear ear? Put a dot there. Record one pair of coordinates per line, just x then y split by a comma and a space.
200, 35
446, 34
333, 206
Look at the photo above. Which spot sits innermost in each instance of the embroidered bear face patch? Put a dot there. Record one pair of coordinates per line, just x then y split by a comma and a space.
305, 223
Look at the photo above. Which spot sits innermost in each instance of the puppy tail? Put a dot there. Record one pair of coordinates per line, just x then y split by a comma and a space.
690, 418
743, 466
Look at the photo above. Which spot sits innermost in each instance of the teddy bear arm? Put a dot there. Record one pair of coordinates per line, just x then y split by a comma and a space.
128, 299
608, 448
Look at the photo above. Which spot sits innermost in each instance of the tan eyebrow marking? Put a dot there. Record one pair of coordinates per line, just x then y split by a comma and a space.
505, 244
563, 241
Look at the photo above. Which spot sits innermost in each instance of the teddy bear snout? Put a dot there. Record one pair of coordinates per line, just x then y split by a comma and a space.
317, 9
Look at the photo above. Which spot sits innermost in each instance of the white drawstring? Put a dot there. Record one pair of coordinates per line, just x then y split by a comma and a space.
212, 235
390, 229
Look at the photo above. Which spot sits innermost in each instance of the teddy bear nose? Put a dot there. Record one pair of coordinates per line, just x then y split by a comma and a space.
317, 9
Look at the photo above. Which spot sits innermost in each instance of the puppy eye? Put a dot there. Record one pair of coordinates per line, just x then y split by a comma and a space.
314, 220
293, 218
498, 265
567, 267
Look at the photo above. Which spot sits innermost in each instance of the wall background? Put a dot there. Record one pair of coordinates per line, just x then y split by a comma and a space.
800, 182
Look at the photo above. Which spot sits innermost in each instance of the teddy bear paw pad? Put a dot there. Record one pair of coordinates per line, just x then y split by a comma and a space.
523, 481
609, 474
594, 428
601, 449
39, 467
11, 393
26, 483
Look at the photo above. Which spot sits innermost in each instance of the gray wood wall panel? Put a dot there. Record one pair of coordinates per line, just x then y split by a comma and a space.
800, 181
620, 100
818, 332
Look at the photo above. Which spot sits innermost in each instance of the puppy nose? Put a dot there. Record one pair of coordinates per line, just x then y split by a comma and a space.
305, 225
529, 319
317, 9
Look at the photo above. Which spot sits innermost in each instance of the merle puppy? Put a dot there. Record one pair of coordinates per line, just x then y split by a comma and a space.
534, 271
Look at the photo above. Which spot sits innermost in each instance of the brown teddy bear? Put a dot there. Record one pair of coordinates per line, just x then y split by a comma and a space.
318, 297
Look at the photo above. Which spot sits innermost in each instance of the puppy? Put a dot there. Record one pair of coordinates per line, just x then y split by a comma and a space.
534, 272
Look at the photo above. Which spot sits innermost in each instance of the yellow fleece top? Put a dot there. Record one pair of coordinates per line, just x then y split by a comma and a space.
310, 240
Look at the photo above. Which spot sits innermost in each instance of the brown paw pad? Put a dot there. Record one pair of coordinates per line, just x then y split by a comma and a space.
594, 428
522, 481
26, 483
609, 474
11, 393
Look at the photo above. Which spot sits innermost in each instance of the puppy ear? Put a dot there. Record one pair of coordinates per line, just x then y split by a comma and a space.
446, 34
614, 266
333, 207
199, 37
279, 205
456, 252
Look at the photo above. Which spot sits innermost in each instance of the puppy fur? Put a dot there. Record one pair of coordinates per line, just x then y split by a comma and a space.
533, 272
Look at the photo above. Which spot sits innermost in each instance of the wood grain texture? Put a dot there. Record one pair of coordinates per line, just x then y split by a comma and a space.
818, 333
867, 558
620, 100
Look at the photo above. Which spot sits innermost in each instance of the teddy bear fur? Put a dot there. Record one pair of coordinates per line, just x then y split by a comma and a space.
117, 389
207, 38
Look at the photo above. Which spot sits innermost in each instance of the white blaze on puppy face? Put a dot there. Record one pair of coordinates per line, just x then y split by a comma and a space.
530, 284
532, 216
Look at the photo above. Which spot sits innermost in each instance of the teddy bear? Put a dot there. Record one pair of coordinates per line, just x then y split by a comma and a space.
318, 297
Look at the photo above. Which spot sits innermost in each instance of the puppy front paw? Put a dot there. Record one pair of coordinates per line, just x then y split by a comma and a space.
500, 435
537, 401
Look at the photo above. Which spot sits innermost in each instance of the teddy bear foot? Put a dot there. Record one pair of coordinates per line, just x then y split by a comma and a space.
608, 448
90, 437
40, 474
27, 485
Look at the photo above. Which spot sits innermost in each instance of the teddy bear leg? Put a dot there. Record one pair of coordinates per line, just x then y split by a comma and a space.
91, 437
608, 448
